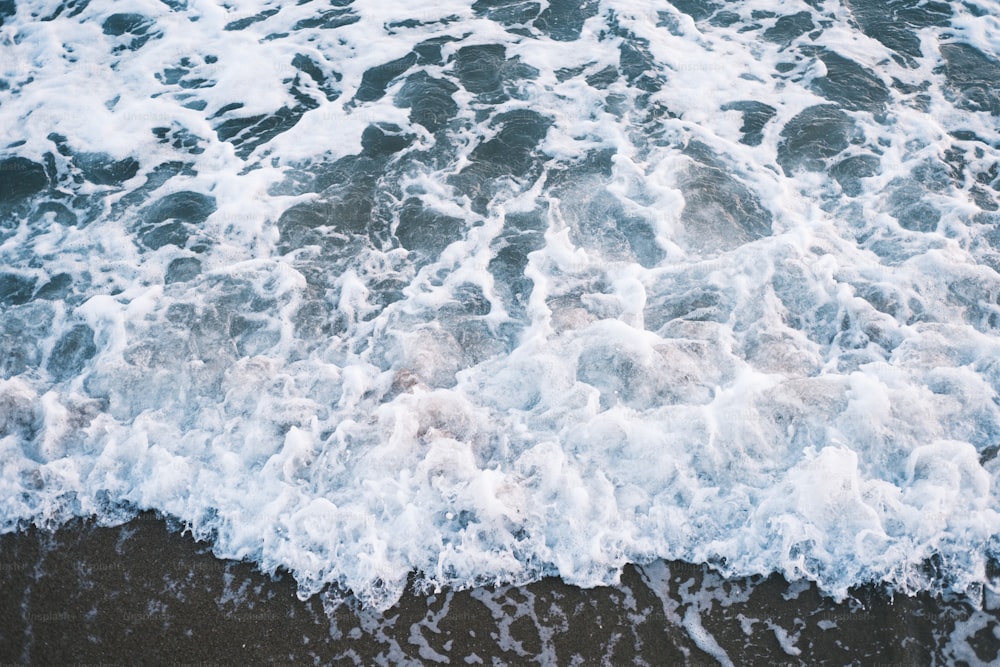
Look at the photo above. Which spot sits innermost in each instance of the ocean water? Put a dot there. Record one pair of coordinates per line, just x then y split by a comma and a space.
483, 292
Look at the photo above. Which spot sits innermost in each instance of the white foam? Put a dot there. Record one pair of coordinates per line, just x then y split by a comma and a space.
813, 402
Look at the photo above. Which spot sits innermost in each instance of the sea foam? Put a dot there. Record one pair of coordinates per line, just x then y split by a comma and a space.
488, 292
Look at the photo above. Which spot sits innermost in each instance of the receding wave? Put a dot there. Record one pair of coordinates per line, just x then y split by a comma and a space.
493, 291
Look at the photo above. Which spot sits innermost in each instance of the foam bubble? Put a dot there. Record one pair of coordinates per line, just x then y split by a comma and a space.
361, 292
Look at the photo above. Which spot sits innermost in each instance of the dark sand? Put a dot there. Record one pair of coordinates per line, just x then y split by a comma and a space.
141, 594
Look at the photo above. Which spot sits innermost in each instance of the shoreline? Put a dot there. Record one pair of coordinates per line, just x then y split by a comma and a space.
125, 595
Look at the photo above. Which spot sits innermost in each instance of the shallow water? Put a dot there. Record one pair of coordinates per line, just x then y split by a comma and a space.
493, 292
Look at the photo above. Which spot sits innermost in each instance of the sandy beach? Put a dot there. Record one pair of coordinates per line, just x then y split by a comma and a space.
144, 594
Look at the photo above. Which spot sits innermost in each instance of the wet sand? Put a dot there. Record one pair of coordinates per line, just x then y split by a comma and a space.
143, 594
